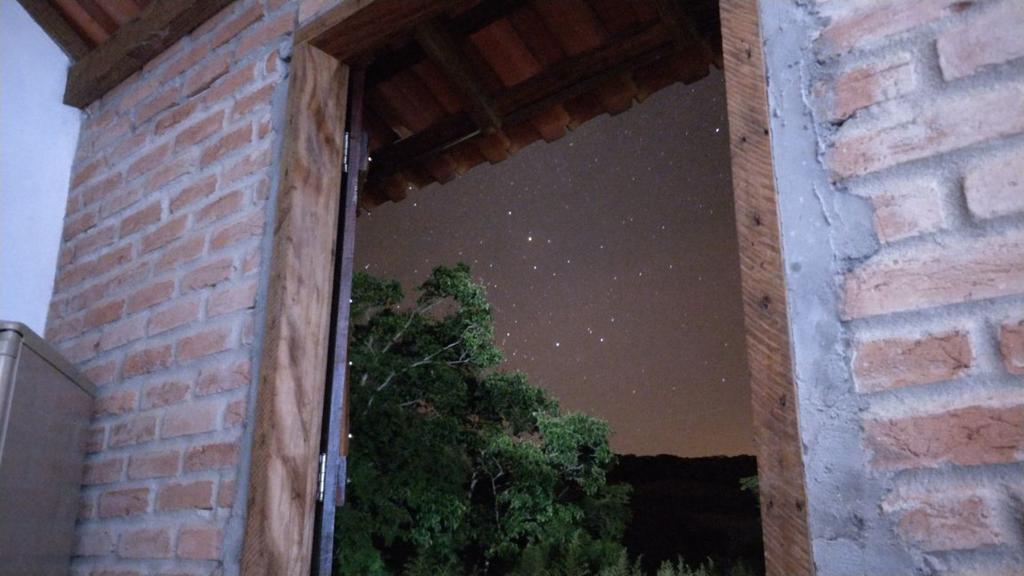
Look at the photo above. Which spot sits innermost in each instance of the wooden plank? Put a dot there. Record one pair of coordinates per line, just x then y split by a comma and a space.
441, 48
773, 391
159, 26
334, 440
51, 21
356, 27
293, 370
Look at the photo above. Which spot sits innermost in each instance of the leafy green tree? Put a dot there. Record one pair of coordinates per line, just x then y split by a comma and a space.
456, 467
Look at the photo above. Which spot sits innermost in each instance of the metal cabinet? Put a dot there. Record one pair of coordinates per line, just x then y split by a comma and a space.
45, 408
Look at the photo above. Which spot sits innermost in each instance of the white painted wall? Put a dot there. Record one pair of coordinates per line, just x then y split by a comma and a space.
38, 136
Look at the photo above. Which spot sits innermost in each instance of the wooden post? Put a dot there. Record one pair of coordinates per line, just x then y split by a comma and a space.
787, 545
293, 371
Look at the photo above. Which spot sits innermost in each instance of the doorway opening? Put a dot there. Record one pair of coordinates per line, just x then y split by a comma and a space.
425, 107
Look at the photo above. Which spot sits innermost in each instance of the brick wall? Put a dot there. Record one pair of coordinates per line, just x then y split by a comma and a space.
157, 287
919, 107
918, 110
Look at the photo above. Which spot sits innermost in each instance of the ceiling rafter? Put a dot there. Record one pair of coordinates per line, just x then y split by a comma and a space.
442, 49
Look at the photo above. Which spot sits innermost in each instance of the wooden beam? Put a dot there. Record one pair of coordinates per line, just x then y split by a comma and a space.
787, 546
53, 23
159, 26
357, 27
293, 369
443, 51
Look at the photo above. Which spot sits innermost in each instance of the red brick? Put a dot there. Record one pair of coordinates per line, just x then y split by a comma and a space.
105, 314
226, 494
203, 343
190, 56
175, 116
222, 207
150, 295
174, 255
262, 35
102, 189
89, 244
75, 225
193, 193
135, 430
1011, 345
149, 161
169, 172
991, 37
83, 172
59, 330
157, 464
253, 100
995, 186
115, 403
127, 502
897, 362
969, 436
232, 299
208, 275
880, 20
199, 543
226, 144
102, 373
950, 519
141, 218
130, 146
230, 234
145, 543
221, 378
939, 127
119, 200
910, 209
164, 394
94, 542
122, 333
165, 234
147, 360
189, 419
240, 22
111, 134
133, 91
936, 275
102, 471
177, 314
83, 349
211, 456
230, 85
871, 83
160, 102
202, 77
234, 413
183, 496
248, 164
199, 130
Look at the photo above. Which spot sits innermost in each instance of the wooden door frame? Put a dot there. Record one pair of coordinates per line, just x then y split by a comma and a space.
294, 370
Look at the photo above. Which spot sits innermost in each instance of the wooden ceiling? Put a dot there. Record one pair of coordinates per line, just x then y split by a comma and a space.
487, 78
81, 25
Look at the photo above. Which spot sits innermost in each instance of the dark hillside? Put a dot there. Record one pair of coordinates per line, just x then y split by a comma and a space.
692, 507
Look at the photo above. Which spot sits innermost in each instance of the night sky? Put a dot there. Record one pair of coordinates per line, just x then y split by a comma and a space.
610, 259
